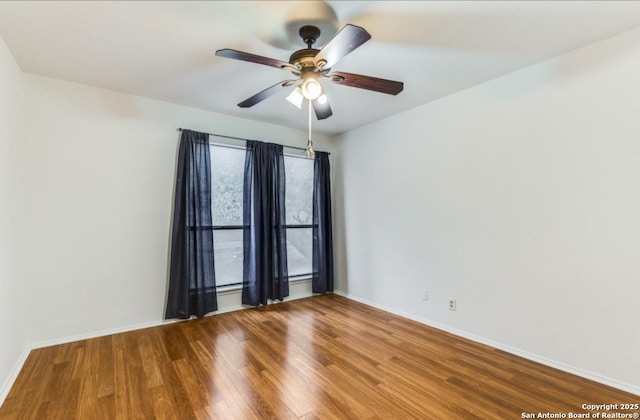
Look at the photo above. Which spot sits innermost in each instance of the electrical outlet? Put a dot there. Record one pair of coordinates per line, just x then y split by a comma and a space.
452, 304
425, 294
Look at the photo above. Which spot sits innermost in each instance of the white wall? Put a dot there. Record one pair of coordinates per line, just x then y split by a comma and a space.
100, 172
521, 199
12, 275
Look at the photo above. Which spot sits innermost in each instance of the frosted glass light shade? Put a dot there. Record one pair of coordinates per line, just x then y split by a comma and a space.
295, 97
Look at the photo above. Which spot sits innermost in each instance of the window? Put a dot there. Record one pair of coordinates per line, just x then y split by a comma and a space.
227, 179
227, 175
299, 206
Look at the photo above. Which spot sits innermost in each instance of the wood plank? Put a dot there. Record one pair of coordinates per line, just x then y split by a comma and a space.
325, 357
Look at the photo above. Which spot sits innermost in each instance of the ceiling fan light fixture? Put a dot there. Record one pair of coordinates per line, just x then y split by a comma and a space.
296, 97
310, 87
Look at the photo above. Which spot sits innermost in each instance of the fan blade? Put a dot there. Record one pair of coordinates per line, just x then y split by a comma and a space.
348, 39
390, 87
252, 58
322, 110
261, 96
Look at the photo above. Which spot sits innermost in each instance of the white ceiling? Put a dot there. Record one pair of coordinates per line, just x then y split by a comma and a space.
165, 49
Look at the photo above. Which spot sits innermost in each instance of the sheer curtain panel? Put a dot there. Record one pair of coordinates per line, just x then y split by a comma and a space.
265, 273
322, 281
192, 283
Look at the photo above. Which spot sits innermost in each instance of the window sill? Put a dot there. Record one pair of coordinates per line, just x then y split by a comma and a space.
222, 290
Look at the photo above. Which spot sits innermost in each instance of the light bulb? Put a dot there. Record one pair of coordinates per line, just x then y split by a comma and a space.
311, 88
322, 99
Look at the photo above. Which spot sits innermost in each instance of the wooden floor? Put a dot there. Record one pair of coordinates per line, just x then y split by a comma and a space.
317, 358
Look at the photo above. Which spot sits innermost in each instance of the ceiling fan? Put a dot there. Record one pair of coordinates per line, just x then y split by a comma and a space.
310, 65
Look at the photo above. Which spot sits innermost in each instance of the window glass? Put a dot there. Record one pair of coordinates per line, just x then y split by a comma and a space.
299, 206
299, 190
227, 250
227, 178
299, 251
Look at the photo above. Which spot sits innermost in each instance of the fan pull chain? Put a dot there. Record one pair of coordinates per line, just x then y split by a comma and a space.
310, 152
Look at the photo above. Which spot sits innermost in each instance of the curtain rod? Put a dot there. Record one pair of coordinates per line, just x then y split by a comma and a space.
240, 138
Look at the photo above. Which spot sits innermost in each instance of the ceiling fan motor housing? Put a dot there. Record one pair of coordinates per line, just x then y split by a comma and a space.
303, 59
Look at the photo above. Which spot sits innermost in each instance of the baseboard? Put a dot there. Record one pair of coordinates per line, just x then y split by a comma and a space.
140, 326
8, 383
623, 386
6, 387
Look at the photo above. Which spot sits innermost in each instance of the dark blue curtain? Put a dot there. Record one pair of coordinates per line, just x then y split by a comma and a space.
265, 273
322, 281
192, 283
